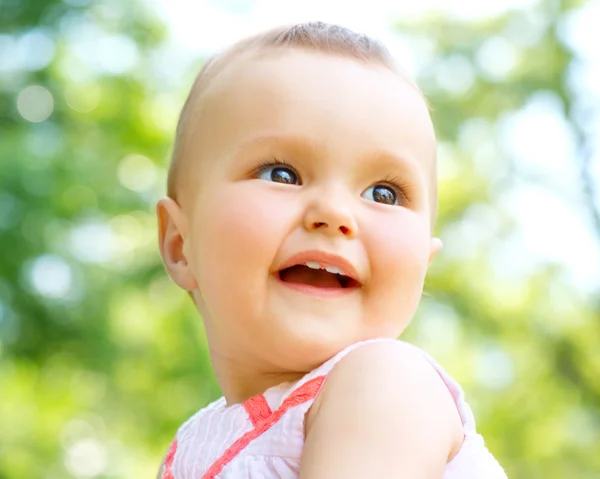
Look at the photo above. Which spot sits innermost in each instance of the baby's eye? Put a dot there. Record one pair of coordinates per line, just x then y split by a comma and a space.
279, 174
381, 194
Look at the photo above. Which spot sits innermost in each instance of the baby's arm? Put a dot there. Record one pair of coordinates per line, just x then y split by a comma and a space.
383, 412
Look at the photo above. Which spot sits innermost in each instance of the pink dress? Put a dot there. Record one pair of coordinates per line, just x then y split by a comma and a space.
263, 437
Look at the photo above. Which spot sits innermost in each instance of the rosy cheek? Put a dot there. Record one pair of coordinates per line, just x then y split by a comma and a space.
399, 247
245, 221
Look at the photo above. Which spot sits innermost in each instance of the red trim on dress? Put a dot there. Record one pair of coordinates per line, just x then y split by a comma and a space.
258, 409
169, 458
304, 393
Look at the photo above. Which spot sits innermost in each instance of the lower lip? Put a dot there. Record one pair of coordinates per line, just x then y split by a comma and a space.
314, 291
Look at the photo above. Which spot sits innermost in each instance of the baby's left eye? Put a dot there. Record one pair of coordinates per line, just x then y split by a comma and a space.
381, 194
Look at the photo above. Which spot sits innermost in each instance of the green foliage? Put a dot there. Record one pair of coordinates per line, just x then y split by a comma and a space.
102, 358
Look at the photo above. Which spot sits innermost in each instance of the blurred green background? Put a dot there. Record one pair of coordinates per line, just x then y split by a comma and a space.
102, 358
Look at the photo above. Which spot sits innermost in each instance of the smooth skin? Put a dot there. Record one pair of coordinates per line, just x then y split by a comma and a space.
340, 128
383, 412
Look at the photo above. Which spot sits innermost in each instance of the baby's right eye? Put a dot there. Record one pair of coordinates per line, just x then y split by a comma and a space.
278, 173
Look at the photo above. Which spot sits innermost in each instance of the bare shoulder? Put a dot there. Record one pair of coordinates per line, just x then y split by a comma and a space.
382, 406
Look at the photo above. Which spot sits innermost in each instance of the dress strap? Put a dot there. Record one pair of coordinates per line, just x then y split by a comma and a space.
169, 458
263, 419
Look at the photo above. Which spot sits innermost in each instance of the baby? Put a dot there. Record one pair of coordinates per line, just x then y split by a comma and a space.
301, 201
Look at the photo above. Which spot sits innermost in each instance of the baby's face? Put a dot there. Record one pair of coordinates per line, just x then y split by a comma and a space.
308, 160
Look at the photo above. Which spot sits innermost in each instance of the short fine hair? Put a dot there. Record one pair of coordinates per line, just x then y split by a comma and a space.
316, 36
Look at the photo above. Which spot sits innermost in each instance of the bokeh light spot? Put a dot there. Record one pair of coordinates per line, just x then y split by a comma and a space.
114, 54
83, 98
35, 50
35, 103
137, 173
86, 458
8, 61
455, 74
44, 140
51, 276
92, 242
496, 58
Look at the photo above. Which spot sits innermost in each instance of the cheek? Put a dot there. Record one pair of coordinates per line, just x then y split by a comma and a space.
238, 230
399, 252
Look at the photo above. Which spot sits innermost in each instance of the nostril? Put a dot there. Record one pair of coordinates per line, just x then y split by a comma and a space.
342, 229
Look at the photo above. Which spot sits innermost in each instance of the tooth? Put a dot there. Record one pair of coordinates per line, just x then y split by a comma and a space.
333, 269
313, 265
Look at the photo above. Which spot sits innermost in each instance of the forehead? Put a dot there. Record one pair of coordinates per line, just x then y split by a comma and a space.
342, 103
309, 82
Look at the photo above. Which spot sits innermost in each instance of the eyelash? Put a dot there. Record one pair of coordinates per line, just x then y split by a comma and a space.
265, 165
400, 187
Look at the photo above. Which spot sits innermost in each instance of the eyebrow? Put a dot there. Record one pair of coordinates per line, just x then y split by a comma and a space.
304, 145
299, 143
394, 159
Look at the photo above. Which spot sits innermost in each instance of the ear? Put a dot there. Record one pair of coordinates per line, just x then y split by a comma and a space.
434, 248
172, 234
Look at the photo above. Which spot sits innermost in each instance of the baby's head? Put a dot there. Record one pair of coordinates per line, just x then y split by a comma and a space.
301, 153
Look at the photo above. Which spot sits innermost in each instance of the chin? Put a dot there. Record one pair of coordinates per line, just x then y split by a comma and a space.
304, 348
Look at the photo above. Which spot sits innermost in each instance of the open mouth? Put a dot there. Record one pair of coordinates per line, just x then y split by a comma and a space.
317, 277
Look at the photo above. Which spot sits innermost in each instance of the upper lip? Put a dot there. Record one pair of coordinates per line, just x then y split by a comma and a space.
324, 259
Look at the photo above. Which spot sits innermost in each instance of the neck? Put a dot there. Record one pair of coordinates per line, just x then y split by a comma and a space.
240, 380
